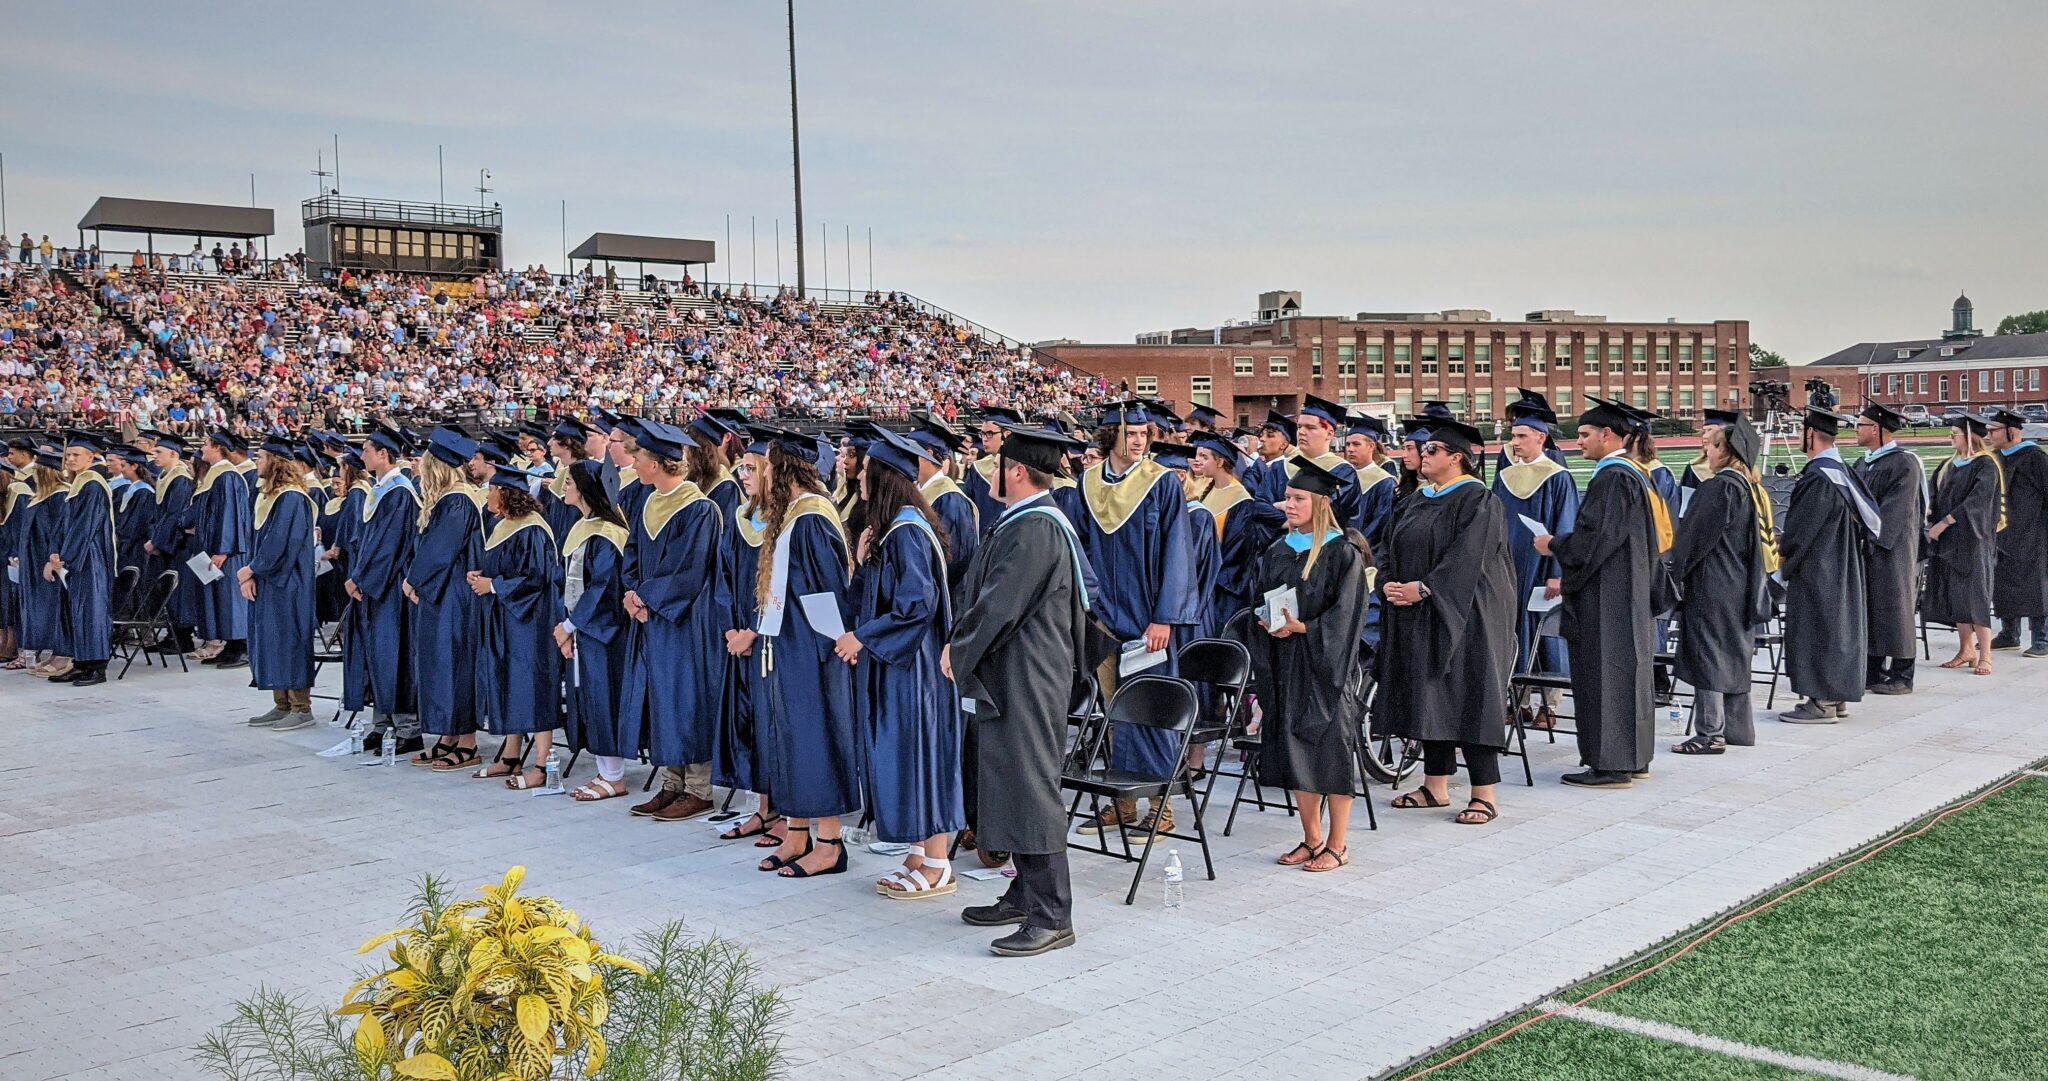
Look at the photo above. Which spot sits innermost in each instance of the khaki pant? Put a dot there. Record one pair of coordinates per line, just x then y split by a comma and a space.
691, 780
293, 701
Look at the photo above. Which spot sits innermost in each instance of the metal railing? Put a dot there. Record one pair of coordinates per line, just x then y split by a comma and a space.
328, 207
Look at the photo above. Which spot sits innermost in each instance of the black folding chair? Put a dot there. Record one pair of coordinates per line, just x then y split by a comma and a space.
148, 628
1162, 703
1224, 668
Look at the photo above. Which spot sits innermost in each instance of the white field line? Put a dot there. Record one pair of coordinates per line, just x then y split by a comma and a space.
1658, 1030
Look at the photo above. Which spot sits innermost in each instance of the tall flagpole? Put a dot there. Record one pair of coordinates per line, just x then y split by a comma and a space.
796, 155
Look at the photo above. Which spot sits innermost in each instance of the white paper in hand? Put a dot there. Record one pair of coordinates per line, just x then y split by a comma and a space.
1539, 603
1281, 603
1534, 527
203, 568
821, 611
1136, 658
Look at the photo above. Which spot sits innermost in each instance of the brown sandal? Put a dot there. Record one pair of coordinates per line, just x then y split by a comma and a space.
1418, 799
1343, 859
1477, 806
1292, 860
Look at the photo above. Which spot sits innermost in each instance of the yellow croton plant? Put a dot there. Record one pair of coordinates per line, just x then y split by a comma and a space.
486, 990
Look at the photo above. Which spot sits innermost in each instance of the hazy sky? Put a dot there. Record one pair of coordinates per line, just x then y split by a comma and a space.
1832, 172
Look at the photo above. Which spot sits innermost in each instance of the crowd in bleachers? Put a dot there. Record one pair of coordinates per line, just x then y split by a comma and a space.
253, 342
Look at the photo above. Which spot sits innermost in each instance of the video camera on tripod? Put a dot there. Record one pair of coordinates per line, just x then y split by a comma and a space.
1775, 397
1820, 393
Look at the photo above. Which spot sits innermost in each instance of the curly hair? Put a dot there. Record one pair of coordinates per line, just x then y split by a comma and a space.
789, 476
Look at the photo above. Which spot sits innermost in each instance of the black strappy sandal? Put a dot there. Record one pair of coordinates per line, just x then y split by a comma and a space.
777, 863
791, 870
434, 754
1418, 799
458, 758
1700, 745
741, 830
1308, 852
511, 767
1477, 806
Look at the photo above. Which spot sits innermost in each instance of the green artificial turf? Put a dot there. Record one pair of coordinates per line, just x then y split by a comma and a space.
1930, 960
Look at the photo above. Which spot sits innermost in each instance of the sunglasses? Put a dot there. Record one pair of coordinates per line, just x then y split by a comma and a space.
1435, 448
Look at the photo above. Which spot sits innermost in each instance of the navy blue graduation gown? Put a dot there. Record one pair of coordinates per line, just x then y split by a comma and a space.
596, 674
560, 516
726, 493
909, 709
134, 515
17, 496
1543, 490
957, 513
222, 528
736, 753
42, 602
86, 546
172, 535
676, 658
1140, 548
804, 692
1375, 505
379, 629
1206, 548
282, 617
979, 486
1250, 525
519, 670
445, 641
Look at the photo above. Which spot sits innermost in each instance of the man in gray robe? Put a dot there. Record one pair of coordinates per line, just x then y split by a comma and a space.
1821, 546
1016, 654
2019, 589
1897, 481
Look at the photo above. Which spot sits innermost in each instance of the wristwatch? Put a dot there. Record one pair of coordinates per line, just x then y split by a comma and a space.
1422, 591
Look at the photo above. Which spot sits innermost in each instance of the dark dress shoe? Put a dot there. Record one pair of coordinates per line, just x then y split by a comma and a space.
238, 661
682, 809
91, 679
408, 745
373, 742
1000, 914
661, 799
69, 675
1892, 687
1031, 941
2001, 642
1596, 778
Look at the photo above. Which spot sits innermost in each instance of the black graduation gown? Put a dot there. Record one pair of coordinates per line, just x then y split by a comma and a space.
1716, 558
1447, 659
1609, 631
1962, 562
1312, 686
2021, 588
1016, 650
1891, 562
1821, 542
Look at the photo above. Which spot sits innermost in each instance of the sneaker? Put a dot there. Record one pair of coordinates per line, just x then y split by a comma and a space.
2000, 643
1107, 819
1892, 687
2037, 651
265, 720
1811, 712
292, 722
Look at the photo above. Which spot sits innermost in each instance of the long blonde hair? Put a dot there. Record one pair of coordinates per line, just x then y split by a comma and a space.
1322, 521
48, 481
279, 473
437, 478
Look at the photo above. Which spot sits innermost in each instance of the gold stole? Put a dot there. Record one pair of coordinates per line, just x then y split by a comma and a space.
744, 522
586, 528
164, 479
1328, 460
1220, 500
660, 507
1112, 505
267, 500
510, 527
1523, 478
941, 484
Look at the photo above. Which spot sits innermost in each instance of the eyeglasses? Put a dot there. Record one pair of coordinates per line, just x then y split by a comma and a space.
1435, 448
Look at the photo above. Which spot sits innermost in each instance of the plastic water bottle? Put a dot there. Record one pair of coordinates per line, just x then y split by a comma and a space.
355, 738
552, 768
391, 747
1176, 884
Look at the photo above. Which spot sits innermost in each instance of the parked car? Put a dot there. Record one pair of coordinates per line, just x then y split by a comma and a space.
1917, 416
2035, 412
1950, 415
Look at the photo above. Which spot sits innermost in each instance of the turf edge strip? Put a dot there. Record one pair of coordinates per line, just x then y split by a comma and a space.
1658, 1030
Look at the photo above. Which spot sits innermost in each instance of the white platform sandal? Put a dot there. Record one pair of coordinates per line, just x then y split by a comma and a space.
912, 886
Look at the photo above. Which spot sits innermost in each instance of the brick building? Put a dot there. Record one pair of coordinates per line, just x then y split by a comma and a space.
1461, 356
1962, 368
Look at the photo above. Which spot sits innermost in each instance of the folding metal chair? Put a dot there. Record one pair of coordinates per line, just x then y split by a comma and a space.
152, 626
1163, 703
1224, 669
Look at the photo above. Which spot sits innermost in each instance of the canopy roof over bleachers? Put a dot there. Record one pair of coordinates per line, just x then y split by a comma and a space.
110, 214
630, 248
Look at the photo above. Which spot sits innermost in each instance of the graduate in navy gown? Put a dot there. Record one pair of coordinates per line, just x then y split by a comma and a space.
1531, 404
592, 633
1205, 541
1135, 532
169, 539
1245, 526
1267, 475
83, 563
957, 513
14, 497
978, 480
134, 513
737, 760
909, 708
444, 609
1532, 485
705, 465
37, 533
378, 635
566, 446
1320, 428
804, 697
675, 669
278, 584
518, 586
221, 508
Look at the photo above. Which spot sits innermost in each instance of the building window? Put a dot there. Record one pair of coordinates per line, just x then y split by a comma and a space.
1685, 400
1663, 401
1276, 365
1482, 404
1511, 356
1998, 380
2033, 379
1944, 388
1962, 388
1891, 385
1315, 361
1404, 402
1614, 359
1562, 357
1375, 359
1346, 396
1637, 359
1707, 358
1199, 389
1429, 360
1923, 382
1458, 402
1641, 399
1147, 384
1664, 360
1401, 365
1873, 385
1536, 357
1241, 366
1457, 359
1564, 404
1347, 360
1983, 382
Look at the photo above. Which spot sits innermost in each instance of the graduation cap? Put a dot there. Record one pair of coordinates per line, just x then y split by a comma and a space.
1002, 413
2005, 418
665, 441
172, 443
505, 476
935, 434
1323, 409
451, 446
1217, 444
1163, 414
1532, 403
278, 448
1612, 416
49, 456
353, 459
534, 430
796, 443
1743, 440
1172, 455
1641, 416
1312, 478
706, 429
1438, 411
1726, 417
307, 454
1458, 436
1052, 423
498, 448
1282, 422
387, 442
1041, 450
82, 439
414, 441
22, 443
1205, 415
132, 457
1369, 426
1975, 424
1416, 429
571, 430
897, 452
1117, 414
227, 440
1829, 423
604, 420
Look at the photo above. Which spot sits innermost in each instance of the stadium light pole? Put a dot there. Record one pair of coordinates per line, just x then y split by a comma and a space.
481, 191
796, 152
3, 198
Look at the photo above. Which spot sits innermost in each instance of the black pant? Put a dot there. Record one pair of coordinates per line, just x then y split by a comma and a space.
1440, 759
1043, 890
1892, 669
